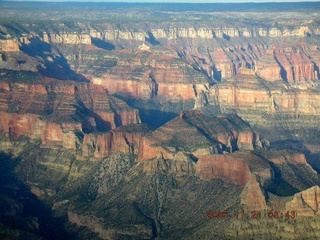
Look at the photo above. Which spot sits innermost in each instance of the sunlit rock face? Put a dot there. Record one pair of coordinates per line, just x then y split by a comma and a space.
254, 173
198, 134
138, 129
183, 66
247, 92
9, 45
290, 63
67, 38
225, 167
54, 111
306, 202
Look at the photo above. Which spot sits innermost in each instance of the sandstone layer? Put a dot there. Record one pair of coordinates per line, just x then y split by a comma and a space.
306, 202
213, 87
197, 134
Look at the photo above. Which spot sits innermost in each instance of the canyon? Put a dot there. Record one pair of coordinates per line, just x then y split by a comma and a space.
144, 127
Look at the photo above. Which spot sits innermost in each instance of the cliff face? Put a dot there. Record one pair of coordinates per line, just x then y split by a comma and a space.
292, 158
181, 65
173, 148
306, 203
275, 108
54, 111
126, 139
66, 38
258, 173
139, 32
290, 63
248, 92
237, 168
224, 167
9, 45
63, 112
198, 134
205, 32
223, 53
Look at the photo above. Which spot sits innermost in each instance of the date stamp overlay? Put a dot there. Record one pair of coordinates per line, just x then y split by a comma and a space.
267, 214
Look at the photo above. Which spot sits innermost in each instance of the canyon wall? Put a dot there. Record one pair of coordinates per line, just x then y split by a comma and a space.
180, 68
247, 92
125, 32
198, 134
9, 45
306, 202
226, 50
55, 111
74, 95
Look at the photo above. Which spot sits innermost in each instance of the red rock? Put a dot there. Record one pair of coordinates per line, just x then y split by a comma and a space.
180, 165
53, 132
61, 135
288, 157
246, 94
128, 140
127, 88
298, 66
17, 125
303, 102
176, 92
246, 139
148, 75
226, 167
4, 86
9, 45
223, 63
199, 134
238, 169
288, 63
252, 196
149, 150
305, 203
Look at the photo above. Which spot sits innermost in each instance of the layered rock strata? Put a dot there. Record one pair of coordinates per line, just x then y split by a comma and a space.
306, 203
57, 112
270, 59
157, 184
197, 134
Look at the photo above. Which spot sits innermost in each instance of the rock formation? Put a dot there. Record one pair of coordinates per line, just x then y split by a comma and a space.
289, 63
126, 139
9, 45
76, 99
54, 111
226, 167
198, 134
238, 169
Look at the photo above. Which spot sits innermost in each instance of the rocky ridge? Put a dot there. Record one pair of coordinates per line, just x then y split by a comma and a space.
59, 113
85, 153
